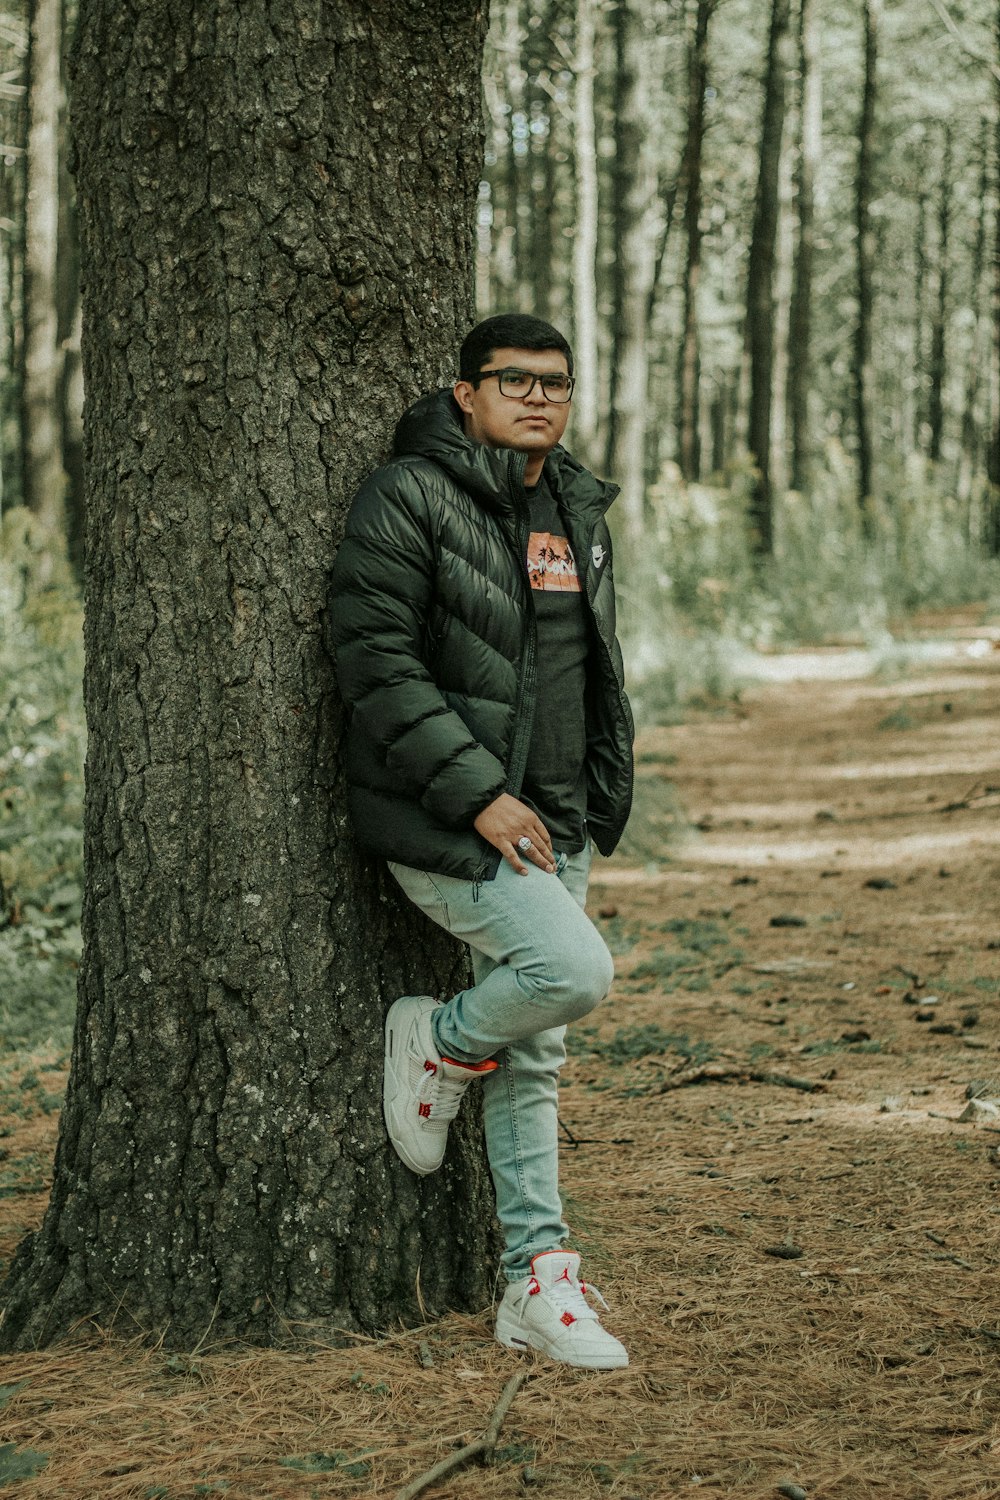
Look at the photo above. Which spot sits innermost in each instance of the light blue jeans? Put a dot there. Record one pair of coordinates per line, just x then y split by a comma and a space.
538, 963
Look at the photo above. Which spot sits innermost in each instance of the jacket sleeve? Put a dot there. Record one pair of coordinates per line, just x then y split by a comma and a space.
382, 589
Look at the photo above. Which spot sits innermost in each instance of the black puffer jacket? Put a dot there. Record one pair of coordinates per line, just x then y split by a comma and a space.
434, 632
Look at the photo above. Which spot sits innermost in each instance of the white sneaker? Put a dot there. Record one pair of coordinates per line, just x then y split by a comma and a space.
421, 1090
548, 1311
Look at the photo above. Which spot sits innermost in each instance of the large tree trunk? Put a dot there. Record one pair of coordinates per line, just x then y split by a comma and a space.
41, 435
689, 374
276, 208
864, 375
800, 371
760, 281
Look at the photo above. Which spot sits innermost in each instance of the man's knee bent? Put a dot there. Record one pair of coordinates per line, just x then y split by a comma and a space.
584, 980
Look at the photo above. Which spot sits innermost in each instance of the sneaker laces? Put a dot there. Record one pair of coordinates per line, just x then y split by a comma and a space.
441, 1091
567, 1296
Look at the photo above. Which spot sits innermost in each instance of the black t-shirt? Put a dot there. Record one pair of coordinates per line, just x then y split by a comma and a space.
555, 784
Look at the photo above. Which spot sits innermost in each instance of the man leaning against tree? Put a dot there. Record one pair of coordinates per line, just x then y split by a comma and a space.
489, 742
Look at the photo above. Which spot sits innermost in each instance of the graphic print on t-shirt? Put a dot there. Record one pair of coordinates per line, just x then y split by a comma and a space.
551, 564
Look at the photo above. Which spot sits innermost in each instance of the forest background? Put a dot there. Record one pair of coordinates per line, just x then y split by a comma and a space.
772, 234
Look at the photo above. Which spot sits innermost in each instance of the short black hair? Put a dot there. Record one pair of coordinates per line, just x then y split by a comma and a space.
508, 331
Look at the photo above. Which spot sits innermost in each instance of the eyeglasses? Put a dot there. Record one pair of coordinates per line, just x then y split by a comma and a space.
518, 384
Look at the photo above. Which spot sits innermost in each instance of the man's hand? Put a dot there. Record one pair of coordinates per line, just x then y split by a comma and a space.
505, 821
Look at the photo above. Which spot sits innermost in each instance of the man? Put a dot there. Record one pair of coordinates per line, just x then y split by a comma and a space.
490, 740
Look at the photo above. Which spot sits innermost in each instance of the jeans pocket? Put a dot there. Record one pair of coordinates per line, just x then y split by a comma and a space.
422, 890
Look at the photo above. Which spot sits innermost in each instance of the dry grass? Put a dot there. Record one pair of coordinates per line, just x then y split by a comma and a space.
865, 1363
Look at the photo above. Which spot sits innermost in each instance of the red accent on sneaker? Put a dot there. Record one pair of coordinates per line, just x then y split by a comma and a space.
424, 1111
489, 1066
564, 1276
430, 1067
567, 1318
533, 1287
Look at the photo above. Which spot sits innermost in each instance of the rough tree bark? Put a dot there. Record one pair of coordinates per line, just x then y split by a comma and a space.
760, 278
800, 318
276, 206
863, 371
41, 435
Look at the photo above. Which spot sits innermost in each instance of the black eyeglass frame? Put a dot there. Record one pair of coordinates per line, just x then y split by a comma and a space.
535, 380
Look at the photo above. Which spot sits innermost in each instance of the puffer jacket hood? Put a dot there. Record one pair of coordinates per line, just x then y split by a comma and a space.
432, 428
433, 631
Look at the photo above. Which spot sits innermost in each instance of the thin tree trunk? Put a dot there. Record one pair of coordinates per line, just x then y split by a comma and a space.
919, 393
261, 300
518, 158
44, 479
503, 270
938, 362
760, 283
545, 267
689, 381
970, 454
784, 258
991, 519
70, 330
800, 369
585, 240
864, 380
636, 255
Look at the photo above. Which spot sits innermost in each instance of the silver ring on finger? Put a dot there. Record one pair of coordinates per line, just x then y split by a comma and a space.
524, 843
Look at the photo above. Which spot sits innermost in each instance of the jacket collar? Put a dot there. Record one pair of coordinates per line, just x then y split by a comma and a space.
432, 428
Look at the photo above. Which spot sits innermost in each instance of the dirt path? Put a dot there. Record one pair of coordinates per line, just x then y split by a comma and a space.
766, 1174
836, 908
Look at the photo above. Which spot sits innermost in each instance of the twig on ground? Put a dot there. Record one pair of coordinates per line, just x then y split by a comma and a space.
580, 1140
966, 800
714, 1074
480, 1446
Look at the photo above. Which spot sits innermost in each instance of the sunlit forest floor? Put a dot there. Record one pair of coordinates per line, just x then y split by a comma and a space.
764, 1164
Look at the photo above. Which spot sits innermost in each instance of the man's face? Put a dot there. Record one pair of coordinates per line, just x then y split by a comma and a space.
529, 424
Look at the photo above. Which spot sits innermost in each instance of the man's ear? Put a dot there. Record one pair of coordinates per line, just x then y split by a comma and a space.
463, 393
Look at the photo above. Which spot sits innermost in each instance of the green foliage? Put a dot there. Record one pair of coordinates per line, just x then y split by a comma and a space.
630, 1043
702, 953
42, 742
19, 1463
355, 1467
694, 599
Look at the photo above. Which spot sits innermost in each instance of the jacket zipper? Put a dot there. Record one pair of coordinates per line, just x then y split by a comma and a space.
526, 677
612, 674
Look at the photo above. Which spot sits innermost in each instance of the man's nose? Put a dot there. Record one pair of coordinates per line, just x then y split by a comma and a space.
536, 394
